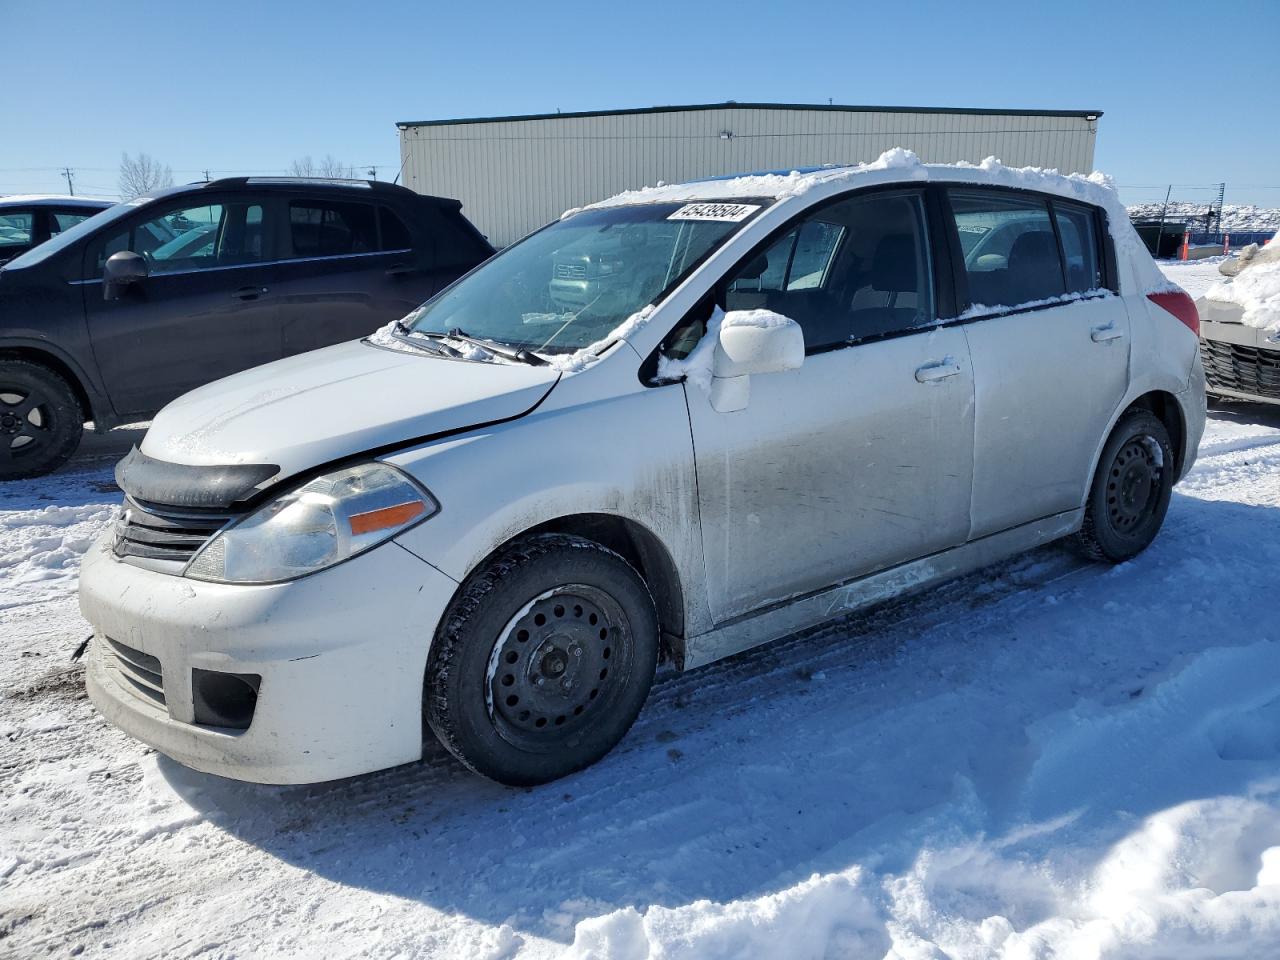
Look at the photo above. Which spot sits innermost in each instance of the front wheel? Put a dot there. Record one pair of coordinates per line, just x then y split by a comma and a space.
1130, 493
542, 661
40, 420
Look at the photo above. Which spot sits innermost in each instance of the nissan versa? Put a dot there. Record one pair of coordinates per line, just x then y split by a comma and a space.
769, 401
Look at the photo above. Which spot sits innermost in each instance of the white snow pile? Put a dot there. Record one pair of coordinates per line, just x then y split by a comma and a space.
1236, 218
1255, 289
901, 164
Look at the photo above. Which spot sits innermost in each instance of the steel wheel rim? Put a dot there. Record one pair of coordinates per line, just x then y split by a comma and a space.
1133, 485
26, 424
557, 667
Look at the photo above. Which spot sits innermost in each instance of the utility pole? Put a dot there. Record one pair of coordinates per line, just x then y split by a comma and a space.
66, 172
1163, 211
373, 173
206, 176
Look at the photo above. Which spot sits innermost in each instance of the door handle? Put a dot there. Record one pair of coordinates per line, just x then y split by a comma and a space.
932, 372
1103, 334
249, 293
401, 270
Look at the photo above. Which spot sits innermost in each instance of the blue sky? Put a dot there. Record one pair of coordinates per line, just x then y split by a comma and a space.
249, 87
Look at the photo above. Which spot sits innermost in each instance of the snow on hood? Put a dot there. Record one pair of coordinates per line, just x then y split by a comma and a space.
1255, 289
336, 402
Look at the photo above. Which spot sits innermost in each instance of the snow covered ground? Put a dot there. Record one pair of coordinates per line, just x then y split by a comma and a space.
1051, 759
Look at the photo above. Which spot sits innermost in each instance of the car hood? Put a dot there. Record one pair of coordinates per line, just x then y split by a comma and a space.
337, 402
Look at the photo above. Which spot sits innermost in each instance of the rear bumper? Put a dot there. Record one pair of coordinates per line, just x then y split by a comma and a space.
1194, 413
341, 656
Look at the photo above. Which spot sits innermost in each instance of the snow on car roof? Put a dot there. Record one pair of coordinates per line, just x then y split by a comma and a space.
901, 165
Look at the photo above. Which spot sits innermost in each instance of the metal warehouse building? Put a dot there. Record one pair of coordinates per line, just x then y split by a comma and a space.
513, 174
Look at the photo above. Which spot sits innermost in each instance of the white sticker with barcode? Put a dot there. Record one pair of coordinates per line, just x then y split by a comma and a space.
725, 212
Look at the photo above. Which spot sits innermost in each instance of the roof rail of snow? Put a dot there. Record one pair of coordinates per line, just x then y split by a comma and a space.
900, 164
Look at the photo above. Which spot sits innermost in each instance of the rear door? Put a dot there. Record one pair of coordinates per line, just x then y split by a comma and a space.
1050, 349
348, 267
204, 312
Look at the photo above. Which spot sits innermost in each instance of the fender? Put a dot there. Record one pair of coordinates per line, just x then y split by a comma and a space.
32, 347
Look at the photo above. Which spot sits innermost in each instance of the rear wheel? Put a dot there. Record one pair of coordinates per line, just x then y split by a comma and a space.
542, 661
1130, 493
40, 420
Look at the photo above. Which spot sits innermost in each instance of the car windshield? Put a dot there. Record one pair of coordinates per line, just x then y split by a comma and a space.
72, 234
572, 283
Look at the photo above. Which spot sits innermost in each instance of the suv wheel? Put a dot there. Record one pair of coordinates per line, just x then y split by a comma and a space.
1130, 493
542, 661
40, 420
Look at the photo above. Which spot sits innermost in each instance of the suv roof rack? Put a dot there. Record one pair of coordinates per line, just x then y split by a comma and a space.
381, 185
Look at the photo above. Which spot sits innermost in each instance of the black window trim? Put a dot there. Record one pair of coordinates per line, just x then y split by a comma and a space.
1110, 285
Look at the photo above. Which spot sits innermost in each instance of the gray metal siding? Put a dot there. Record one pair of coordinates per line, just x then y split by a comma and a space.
512, 176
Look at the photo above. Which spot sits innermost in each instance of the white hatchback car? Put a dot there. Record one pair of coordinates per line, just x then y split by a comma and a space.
770, 401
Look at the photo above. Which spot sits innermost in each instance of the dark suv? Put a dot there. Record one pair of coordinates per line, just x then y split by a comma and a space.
118, 315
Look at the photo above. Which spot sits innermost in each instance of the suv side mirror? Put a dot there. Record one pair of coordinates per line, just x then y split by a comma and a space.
752, 342
122, 270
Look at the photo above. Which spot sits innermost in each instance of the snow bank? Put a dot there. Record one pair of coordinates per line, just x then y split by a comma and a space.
1255, 289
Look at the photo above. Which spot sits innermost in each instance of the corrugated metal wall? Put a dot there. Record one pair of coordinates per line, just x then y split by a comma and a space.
513, 176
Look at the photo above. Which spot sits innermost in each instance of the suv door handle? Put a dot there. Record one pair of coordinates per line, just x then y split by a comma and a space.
249, 293
1103, 334
931, 372
401, 270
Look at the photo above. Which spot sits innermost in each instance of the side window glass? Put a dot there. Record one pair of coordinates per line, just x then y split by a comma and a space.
320, 228
16, 227
1010, 250
856, 269
1078, 229
61, 220
395, 236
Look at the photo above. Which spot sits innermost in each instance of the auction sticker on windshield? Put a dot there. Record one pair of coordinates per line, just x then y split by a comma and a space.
726, 212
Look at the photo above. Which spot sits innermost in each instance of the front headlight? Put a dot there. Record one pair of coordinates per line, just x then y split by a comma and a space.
326, 521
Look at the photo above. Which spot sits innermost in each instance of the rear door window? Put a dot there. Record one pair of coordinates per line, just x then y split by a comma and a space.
1010, 248
324, 228
1078, 228
16, 229
395, 235
60, 220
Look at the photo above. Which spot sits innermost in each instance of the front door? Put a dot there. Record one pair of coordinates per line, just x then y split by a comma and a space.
1048, 376
205, 311
862, 458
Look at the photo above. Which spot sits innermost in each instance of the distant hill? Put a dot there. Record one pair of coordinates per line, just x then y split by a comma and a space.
1237, 217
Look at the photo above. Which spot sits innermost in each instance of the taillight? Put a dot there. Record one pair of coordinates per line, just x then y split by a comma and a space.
1180, 304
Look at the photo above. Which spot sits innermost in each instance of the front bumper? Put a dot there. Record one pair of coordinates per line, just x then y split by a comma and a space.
341, 655
1239, 361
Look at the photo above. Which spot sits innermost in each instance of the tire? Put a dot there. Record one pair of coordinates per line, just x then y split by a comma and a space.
542, 661
1130, 493
41, 420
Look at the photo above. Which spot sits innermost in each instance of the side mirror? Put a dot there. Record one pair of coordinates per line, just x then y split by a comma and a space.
752, 342
122, 270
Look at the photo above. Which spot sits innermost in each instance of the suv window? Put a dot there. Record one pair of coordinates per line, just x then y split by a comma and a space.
60, 220
1010, 249
1078, 228
323, 228
194, 238
854, 269
395, 236
16, 227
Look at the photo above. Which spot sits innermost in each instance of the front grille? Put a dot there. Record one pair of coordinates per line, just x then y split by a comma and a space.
139, 672
153, 532
571, 271
1244, 369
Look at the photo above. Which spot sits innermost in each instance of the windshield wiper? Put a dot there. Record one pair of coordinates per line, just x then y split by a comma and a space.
497, 348
439, 348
